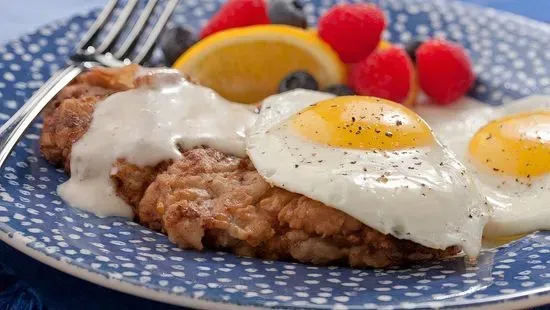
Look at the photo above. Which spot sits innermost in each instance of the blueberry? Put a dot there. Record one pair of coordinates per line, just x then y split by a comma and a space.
298, 79
411, 48
287, 12
340, 90
175, 41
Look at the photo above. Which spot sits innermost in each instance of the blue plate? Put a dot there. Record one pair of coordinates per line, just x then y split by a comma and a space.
512, 57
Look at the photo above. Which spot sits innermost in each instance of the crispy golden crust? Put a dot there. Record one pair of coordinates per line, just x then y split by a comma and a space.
69, 115
131, 181
64, 126
212, 200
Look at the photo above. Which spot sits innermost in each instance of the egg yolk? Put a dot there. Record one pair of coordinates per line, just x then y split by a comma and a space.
517, 145
362, 123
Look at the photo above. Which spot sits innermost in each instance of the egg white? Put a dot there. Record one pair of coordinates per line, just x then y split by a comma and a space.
420, 194
516, 208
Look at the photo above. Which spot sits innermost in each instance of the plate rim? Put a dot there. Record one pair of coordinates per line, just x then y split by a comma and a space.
528, 298
20, 243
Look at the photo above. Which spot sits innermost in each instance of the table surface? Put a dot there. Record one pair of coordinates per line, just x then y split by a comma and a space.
25, 283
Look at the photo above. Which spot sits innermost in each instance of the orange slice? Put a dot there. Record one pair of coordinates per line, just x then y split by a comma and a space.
247, 64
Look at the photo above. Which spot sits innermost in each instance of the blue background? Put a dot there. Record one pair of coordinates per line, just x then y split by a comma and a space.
21, 278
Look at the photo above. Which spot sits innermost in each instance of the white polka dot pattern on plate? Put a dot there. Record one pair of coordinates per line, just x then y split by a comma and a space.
512, 57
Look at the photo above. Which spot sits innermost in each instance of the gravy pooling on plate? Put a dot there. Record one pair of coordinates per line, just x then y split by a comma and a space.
145, 126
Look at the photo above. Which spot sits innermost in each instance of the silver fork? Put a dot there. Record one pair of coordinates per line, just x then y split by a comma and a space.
89, 54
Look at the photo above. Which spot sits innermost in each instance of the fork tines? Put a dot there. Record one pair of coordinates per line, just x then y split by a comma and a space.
104, 36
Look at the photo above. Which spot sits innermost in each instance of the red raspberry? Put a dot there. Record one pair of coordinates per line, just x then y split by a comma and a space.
386, 73
237, 13
444, 70
353, 30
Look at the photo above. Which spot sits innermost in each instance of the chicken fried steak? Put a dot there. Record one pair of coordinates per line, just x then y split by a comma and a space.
209, 199
213, 200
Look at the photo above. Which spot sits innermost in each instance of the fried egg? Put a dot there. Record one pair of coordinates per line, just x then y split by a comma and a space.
373, 159
507, 150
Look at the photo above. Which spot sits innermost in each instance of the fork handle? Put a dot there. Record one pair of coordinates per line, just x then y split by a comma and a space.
12, 130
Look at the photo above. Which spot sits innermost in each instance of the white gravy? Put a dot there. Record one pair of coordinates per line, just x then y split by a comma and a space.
145, 126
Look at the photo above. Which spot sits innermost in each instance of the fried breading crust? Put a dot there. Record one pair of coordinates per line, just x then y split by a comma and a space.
209, 199
212, 200
68, 117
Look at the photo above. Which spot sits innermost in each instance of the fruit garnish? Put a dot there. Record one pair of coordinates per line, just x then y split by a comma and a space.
287, 12
235, 14
444, 70
339, 90
298, 79
411, 48
387, 73
353, 30
415, 88
175, 41
247, 64
383, 44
